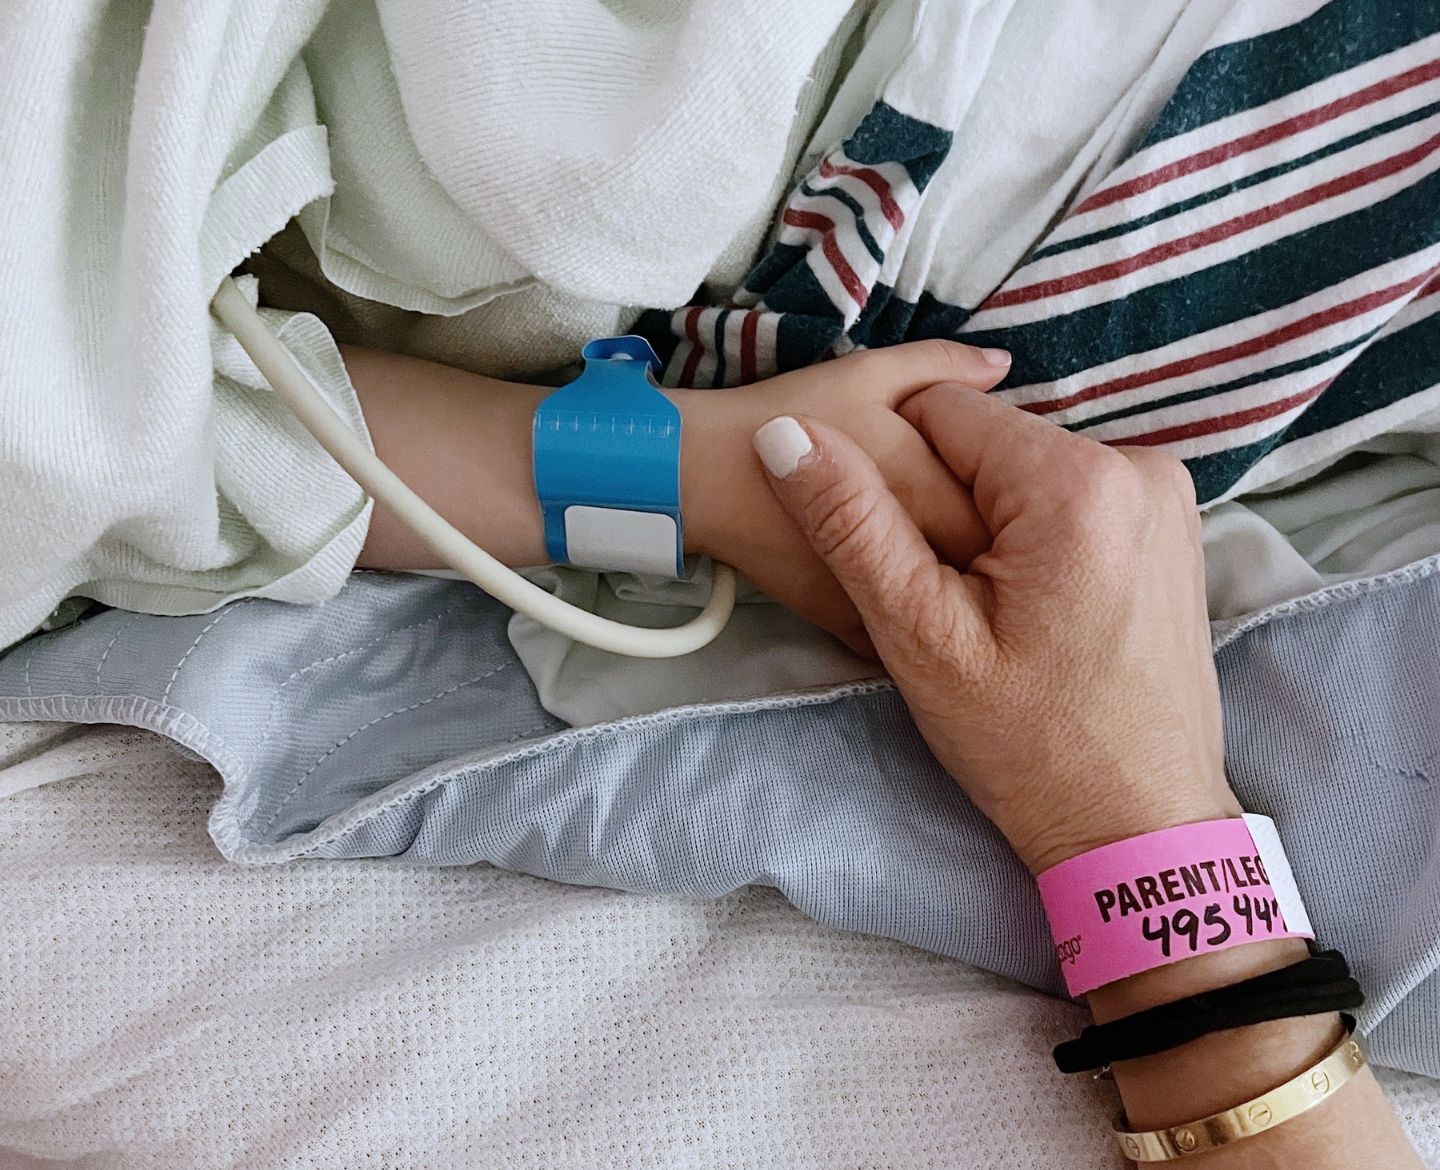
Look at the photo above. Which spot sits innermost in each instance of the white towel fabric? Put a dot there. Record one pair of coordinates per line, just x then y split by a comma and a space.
398, 1017
615, 150
139, 162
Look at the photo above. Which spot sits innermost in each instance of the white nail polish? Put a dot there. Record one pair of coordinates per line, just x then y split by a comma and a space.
781, 443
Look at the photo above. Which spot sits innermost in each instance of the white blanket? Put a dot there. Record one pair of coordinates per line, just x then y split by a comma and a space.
397, 1016
473, 151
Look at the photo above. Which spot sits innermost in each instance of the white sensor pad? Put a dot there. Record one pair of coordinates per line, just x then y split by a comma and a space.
617, 540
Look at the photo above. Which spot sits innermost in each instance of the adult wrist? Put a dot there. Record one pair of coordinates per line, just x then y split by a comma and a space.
1072, 829
1129, 913
1222, 1069
1231, 1064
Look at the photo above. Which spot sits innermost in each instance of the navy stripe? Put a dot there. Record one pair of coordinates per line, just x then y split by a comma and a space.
1396, 367
890, 324
1239, 185
803, 339
891, 320
720, 319
772, 266
810, 323
885, 135
1271, 276
935, 318
1240, 76
856, 210
1399, 366
884, 321
866, 329
789, 285
1310, 361
656, 326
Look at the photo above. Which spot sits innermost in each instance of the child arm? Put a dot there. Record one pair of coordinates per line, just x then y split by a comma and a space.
462, 441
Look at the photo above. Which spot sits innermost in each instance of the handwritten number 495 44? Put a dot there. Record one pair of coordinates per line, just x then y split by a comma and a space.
1259, 914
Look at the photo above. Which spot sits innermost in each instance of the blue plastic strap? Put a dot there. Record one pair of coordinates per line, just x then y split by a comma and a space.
610, 439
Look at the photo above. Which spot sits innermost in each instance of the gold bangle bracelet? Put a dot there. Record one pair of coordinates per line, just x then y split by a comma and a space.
1316, 1084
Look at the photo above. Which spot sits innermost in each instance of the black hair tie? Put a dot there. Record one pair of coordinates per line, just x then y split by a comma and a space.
1314, 986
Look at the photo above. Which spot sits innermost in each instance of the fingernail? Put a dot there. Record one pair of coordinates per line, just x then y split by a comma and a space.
781, 443
996, 357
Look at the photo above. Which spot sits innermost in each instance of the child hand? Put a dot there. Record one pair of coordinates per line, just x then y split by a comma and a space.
732, 515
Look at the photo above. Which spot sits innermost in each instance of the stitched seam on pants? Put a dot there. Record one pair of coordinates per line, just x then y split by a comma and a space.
335, 747
175, 674
414, 794
29, 658
275, 698
99, 666
434, 781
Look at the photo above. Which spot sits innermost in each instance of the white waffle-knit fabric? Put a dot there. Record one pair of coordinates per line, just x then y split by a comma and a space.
163, 1008
582, 154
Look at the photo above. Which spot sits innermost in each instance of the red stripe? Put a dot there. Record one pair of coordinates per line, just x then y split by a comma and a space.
1215, 233
858, 292
1240, 349
1430, 289
1263, 137
748, 325
692, 331
813, 221
810, 220
1223, 422
875, 181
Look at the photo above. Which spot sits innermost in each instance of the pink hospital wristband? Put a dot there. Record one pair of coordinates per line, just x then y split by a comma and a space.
1170, 895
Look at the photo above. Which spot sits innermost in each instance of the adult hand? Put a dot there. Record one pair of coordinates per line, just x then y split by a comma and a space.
1064, 676
731, 514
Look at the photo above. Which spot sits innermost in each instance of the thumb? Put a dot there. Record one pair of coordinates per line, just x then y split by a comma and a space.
836, 495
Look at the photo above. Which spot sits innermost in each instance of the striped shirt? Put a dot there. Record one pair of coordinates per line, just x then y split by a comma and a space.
1255, 287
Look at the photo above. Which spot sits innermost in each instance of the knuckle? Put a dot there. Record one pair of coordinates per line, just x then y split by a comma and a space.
839, 521
1176, 476
1166, 478
1156, 463
1102, 507
1107, 485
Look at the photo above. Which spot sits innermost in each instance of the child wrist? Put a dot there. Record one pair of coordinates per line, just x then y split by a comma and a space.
715, 461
